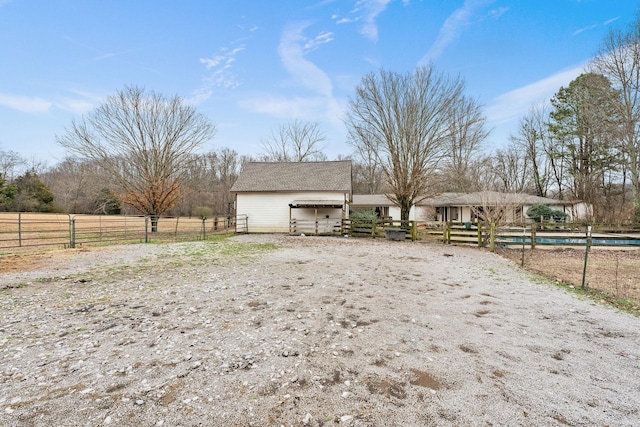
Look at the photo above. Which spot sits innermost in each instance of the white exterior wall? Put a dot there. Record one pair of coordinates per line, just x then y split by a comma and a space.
394, 213
269, 212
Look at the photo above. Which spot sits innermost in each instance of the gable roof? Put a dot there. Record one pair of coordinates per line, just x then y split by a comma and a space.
490, 198
294, 176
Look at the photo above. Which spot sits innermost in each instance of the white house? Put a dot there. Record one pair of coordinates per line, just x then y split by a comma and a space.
293, 197
385, 208
468, 207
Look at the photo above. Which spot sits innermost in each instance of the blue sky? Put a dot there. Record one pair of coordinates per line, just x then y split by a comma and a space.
252, 65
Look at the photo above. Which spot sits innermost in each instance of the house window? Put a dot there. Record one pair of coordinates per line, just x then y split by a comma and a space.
517, 214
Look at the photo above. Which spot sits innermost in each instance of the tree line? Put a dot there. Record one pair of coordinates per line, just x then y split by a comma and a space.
413, 135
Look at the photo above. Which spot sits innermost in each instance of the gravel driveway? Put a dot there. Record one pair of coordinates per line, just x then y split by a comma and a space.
306, 331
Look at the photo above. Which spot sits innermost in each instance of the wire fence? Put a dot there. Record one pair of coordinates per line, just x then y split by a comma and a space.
30, 231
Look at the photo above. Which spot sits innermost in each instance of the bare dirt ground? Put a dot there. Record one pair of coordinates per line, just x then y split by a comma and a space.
305, 331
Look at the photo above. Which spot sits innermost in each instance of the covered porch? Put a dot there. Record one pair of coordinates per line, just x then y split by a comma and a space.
317, 216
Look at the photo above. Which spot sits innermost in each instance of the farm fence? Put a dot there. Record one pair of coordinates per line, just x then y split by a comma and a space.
24, 231
535, 234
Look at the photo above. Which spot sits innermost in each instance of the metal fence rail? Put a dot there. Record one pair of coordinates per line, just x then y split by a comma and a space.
24, 231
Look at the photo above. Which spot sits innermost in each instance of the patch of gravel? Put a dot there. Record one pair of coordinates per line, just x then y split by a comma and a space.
303, 331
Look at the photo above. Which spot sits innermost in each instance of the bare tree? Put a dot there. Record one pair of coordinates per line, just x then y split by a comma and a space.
531, 137
368, 177
404, 120
211, 176
509, 168
466, 135
76, 184
619, 61
146, 144
499, 208
10, 161
295, 141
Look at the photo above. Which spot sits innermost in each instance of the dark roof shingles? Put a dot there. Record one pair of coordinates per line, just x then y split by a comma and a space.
294, 176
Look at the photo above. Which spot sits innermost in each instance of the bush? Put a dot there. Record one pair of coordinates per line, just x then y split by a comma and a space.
367, 215
538, 212
203, 212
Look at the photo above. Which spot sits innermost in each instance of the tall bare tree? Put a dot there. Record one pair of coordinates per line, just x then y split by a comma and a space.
296, 141
509, 168
531, 138
368, 177
76, 184
462, 149
404, 120
619, 61
145, 142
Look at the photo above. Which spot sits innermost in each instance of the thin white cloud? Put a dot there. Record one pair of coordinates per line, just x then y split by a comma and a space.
225, 59
82, 102
497, 13
582, 30
220, 75
305, 72
591, 27
515, 104
372, 8
452, 27
24, 103
366, 12
320, 39
320, 101
283, 107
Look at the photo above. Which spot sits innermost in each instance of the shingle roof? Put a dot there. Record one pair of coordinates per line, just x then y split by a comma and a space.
373, 200
294, 176
490, 198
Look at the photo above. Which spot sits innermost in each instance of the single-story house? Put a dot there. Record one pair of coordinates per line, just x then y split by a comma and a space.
385, 208
511, 207
378, 203
293, 197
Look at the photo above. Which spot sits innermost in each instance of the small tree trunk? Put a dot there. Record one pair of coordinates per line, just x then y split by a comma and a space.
405, 209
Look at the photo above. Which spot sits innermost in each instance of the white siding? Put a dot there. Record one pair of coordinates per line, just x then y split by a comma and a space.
395, 213
269, 212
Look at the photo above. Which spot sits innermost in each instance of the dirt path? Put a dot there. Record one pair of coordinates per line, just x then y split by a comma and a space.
275, 330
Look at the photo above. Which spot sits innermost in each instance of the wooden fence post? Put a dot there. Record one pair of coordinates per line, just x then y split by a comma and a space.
72, 233
479, 233
586, 256
492, 244
533, 235
19, 229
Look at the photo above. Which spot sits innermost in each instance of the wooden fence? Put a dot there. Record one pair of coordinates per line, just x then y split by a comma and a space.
378, 228
23, 231
535, 234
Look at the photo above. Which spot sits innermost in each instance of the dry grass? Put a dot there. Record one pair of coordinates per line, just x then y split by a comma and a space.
26, 231
612, 275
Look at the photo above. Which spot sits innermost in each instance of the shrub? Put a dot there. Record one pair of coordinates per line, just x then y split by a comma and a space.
367, 215
539, 211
